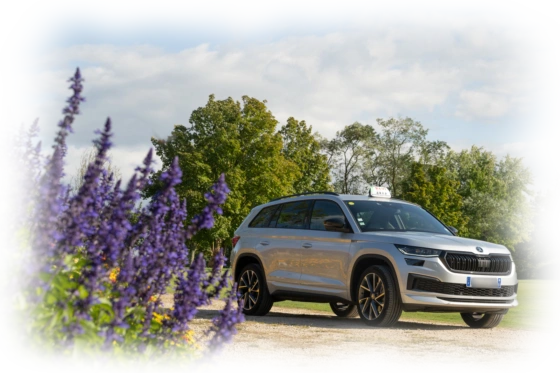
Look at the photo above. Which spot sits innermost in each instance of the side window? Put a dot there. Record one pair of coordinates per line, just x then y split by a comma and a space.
323, 210
274, 219
263, 217
293, 215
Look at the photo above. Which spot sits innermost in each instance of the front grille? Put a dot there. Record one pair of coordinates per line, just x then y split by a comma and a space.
470, 263
496, 301
434, 286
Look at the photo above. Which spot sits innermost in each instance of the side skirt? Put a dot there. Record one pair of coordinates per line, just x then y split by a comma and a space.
297, 296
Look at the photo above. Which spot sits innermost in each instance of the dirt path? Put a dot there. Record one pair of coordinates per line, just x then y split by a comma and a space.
301, 340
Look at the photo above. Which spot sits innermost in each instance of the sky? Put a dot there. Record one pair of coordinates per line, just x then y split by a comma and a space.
473, 73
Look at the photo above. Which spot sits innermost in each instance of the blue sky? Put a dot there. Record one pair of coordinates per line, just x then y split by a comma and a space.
471, 74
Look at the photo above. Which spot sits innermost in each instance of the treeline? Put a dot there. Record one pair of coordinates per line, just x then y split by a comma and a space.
484, 197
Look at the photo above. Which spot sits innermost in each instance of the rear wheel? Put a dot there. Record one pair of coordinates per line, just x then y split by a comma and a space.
344, 309
252, 289
482, 320
378, 299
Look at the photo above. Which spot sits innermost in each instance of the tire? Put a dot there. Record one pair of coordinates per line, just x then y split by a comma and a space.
376, 284
482, 320
344, 309
252, 288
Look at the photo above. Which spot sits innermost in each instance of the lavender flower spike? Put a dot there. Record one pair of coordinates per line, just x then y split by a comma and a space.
206, 218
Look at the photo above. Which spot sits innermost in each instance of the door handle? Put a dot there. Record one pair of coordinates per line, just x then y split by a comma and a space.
307, 245
265, 243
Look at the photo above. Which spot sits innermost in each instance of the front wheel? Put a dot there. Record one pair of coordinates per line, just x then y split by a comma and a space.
482, 320
344, 309
252, 289
378, 299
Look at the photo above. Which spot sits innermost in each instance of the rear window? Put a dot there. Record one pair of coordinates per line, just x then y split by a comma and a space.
293, 215
263, 217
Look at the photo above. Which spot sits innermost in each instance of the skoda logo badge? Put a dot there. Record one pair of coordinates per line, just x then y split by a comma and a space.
479, 249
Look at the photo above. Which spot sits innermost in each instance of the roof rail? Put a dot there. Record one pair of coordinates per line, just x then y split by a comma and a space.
303, 194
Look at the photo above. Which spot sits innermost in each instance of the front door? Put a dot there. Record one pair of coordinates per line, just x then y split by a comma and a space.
325, 256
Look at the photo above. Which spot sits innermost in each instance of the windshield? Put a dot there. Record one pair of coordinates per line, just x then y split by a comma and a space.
375, 216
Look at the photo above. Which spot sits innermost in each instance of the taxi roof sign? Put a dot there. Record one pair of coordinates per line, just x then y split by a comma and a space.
378, 191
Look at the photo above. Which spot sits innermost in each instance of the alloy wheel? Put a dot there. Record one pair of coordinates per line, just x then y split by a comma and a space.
371, 296
249, 288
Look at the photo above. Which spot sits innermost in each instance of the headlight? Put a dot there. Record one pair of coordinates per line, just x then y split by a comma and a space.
417, 251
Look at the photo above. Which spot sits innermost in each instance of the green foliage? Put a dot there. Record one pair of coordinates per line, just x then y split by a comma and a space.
432, 188
304, 149
398, 144
44, 326
483, 197
532, 257
549, 270
495, 196
240, 140
346, 154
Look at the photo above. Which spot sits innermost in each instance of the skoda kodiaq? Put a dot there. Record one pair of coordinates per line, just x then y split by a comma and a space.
369, 255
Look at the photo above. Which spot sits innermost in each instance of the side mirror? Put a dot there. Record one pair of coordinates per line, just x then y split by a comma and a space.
335, 225
453, 230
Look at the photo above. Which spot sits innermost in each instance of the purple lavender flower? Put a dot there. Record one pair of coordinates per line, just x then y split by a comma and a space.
223, 326
84, 238
206, 218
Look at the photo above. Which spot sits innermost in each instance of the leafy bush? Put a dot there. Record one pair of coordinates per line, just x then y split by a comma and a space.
549, 270
100, 264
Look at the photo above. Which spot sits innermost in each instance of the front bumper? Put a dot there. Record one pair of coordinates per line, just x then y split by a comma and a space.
432, 287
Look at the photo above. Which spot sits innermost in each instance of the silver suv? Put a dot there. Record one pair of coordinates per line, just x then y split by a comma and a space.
369, 255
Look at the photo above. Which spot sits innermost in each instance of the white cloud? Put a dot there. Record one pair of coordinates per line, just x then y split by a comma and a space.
482, 105
479, 67
239, 10
124, 159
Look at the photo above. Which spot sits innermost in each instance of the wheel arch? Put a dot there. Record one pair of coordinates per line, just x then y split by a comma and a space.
245, 259
365, 261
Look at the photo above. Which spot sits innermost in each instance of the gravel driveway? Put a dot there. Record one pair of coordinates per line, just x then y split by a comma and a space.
290, 340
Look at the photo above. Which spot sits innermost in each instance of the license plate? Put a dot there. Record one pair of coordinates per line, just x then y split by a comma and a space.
484, 282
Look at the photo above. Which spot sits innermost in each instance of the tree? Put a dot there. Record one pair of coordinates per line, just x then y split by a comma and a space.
304, 149
238, 139
89, 156
346, 153
398, 144
433, 152
432, 188
495, 195
532, 257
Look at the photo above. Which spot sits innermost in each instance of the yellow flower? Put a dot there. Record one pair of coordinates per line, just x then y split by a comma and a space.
113, 275
159, 318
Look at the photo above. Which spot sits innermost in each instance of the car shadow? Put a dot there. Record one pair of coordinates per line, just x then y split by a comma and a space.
328, 321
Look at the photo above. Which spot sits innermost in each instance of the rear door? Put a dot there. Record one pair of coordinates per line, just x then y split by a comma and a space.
325, 256
281, 245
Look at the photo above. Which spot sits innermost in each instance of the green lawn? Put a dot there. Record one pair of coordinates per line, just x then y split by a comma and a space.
526, 316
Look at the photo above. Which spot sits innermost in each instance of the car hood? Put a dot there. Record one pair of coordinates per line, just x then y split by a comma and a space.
434, 241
